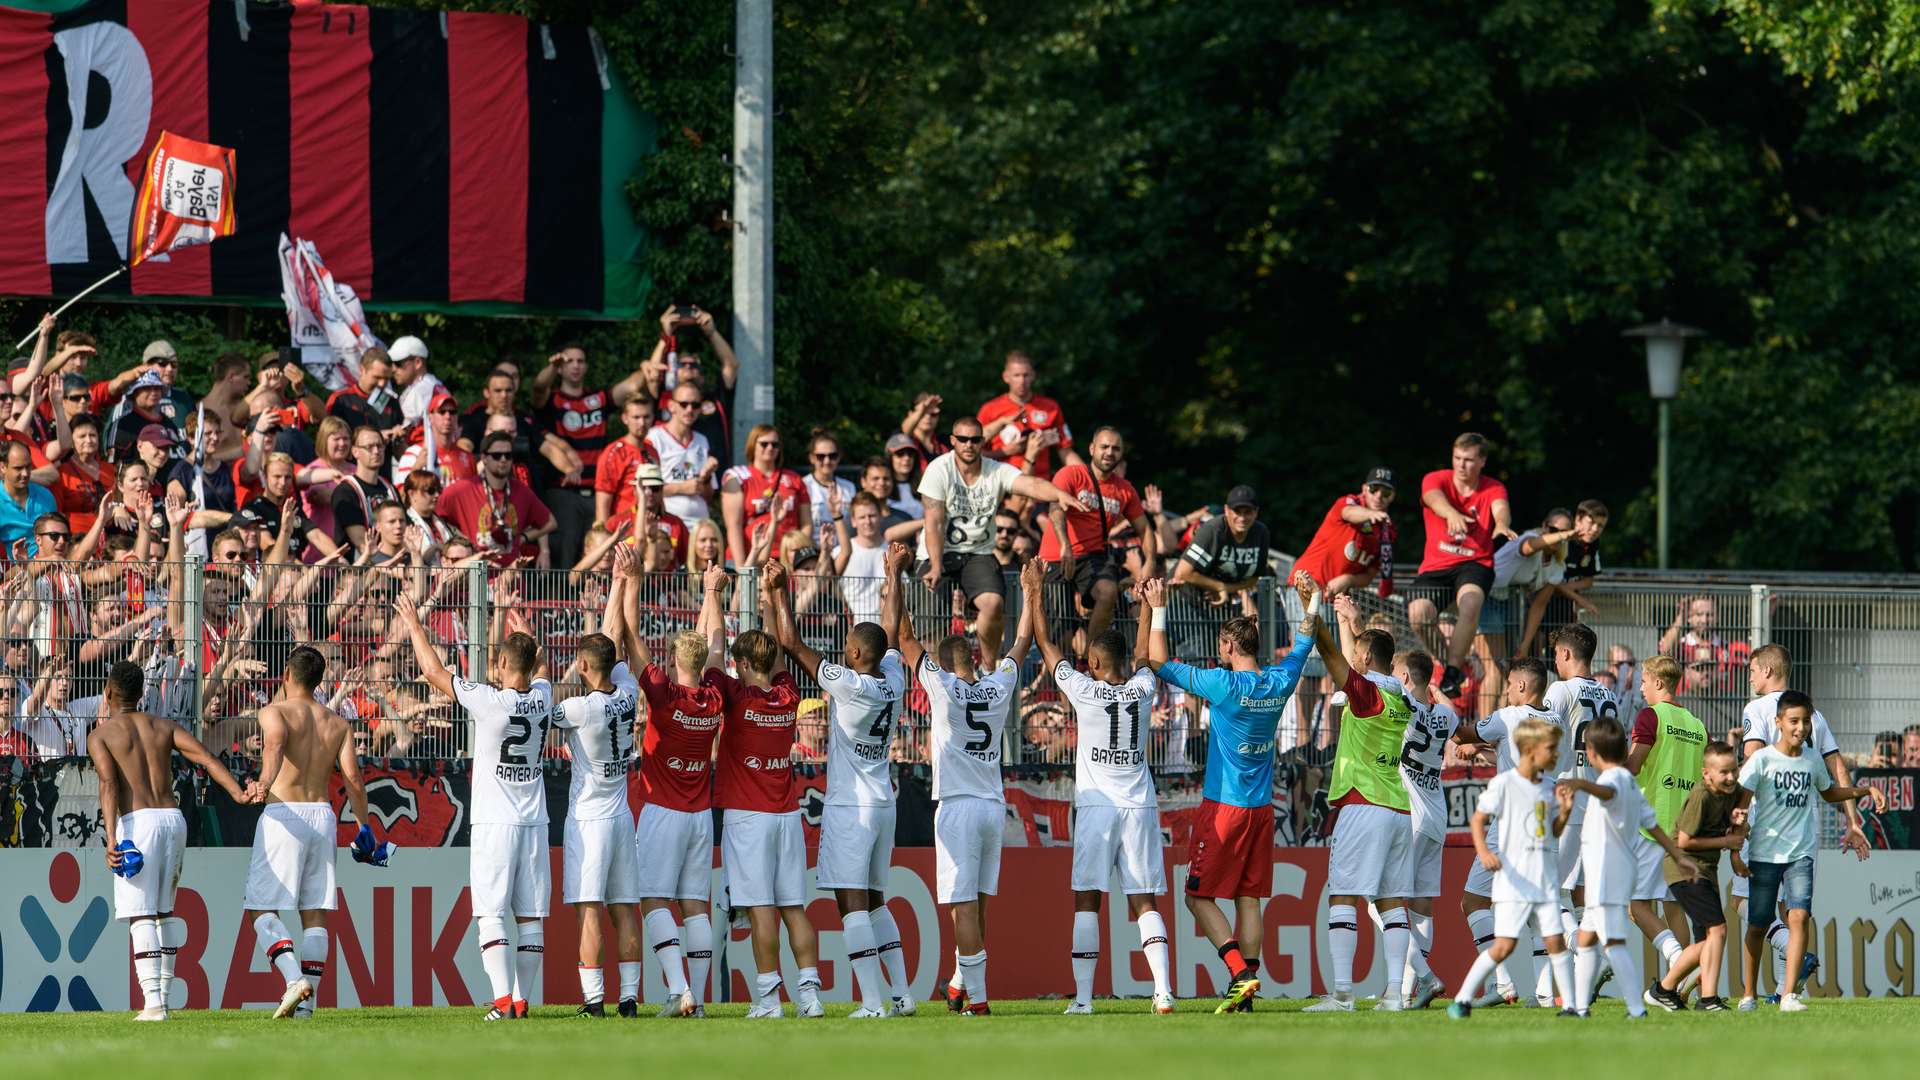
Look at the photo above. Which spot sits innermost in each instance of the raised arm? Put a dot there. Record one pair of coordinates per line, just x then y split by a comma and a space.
1337, 667
893, 598
1153, 625
1023, 634
773, 590
1034, 599
713, 618
897, 558
432, 669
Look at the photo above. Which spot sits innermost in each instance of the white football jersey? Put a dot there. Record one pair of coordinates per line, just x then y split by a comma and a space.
1757, 721
970, 507
1575, 703
599, 728
1610, 837
1498, 730
861, 714
1522, 830
509, 733
1423, 752
968, 719
680, 462
1110, 758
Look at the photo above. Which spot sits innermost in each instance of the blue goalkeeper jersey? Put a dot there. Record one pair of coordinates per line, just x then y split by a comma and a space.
1245, 710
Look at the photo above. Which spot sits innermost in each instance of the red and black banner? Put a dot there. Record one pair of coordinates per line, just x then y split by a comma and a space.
435, 158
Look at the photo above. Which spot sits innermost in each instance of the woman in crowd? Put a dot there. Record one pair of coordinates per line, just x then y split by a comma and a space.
762, 493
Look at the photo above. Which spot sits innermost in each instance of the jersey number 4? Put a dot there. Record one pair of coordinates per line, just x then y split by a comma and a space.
1133, 724
882, 723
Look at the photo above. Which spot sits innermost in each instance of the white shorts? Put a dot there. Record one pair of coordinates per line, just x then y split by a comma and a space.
765, 859
1649, 879
856, 847
966, 848
601, 866
1127, 837
676, 853
1608, 921
1426, 863
1372, 853
1510, 918
510, 870
160, 835
292, 866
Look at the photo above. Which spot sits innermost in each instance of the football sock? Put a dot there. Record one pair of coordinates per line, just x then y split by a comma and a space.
1627, 967
1477, 974
856, 929
630, 972
973, 974
272, 935
664, 935
1230, 955
145, 937
766, 987
173, 934
808, 988
1543, 968
593, 984
893, 958
1153, 942
1517, 968
1668, 947
313, 962
1420, 929
496, 959
526, 959
1777, 936
1343, 934
1561, 964
1586, 968
1086, 954
698, 933
953, 981
1393, 932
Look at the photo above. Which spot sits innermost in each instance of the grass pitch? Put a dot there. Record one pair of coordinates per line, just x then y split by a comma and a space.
1026, 1038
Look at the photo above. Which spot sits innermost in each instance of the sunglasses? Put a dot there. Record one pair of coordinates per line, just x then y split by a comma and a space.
1002, 530
77, 397
826, 457
229, 555
678, 404
768, 444
167, 361
499, 455
1379, 489
60, 536
958, 440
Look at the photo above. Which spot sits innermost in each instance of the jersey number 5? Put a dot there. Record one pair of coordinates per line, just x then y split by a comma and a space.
982, 731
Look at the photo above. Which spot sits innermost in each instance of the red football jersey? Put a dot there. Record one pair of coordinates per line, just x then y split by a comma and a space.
754, 770
1042, 414
759, 489
678, 746
1443, 550
582, 423
1341, 547
1118, 499
615, 470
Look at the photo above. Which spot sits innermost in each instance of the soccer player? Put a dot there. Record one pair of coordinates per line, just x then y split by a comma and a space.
291, 869
1704, 829
762, 844
675, 829
508, 853
1526, 885
1526, 699
1575, 701
1767, 674
146, 833
1668, 745
1233, 856
1372, 833
856, 827
969, 712
1608, 841
1116, 816
1423, 753
601, 874
1777, 781
962, 491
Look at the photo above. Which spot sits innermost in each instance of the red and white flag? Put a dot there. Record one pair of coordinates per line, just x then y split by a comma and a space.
186, 198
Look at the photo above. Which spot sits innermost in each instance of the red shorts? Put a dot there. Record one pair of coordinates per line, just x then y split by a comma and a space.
1232, 851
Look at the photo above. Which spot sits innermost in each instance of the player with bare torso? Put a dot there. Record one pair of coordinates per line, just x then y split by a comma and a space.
301, 741
146, 833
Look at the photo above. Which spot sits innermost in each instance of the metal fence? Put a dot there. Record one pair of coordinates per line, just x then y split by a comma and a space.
1856, 650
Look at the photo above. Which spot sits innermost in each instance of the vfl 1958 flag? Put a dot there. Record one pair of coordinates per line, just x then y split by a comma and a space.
186, 198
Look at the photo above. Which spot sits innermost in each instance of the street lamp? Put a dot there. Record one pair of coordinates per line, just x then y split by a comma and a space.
1666, 345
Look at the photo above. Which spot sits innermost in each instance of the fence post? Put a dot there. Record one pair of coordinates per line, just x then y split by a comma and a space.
477, 622
1269, 616
746, 598
193, 580
1760, 616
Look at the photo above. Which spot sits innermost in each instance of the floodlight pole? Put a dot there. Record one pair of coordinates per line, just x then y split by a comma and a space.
752, 217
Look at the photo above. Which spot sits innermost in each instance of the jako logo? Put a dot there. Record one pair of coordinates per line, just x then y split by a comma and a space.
63, 884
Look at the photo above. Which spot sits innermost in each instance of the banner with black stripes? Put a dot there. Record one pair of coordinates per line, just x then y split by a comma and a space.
448, 161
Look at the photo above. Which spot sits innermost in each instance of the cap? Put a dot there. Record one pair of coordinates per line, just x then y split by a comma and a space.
1242, 495
157, 434
73, 384
148, 380
443, 398
648, 474
901, 441
406, 348
248, 516
1381, 475
805, 555
158, 350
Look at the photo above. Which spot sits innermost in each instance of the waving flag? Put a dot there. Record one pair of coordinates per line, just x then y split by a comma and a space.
186, 198
324, 316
